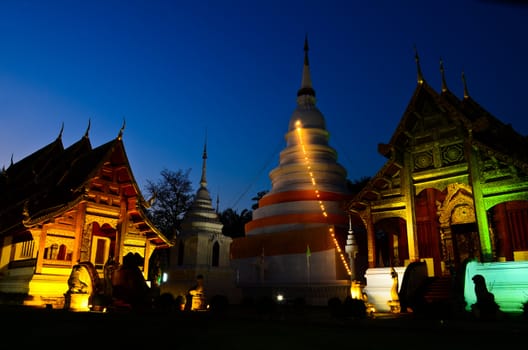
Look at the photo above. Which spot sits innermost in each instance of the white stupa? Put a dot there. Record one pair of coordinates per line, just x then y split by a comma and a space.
298, 232
201, 249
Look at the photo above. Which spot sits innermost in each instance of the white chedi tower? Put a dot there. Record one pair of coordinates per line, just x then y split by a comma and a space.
298, 230
201, 249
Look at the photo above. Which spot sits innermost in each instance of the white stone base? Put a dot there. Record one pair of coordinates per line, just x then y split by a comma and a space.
78, 302
379, 285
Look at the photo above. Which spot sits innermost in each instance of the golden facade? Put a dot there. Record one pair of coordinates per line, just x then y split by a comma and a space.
64, 206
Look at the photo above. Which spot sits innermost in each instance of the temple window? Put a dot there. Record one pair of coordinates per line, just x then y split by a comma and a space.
62, 252
26, 250
53, 251
57, 251
23, 250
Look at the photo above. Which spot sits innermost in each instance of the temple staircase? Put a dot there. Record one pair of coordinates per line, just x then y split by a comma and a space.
438, 290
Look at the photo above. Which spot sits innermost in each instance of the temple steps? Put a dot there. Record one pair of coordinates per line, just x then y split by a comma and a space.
439, 289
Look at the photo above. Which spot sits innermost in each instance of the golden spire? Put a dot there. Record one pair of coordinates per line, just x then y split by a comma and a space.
444, 85
306, 83
420, 78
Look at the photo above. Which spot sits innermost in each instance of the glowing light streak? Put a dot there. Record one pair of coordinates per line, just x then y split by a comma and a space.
298, 127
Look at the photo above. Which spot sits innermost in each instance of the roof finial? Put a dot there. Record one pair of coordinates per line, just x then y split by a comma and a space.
217, 203
203, 181
87, 129
444, 85
417, 59
11, 160
306, 83
120, 135
61, 131
466, 92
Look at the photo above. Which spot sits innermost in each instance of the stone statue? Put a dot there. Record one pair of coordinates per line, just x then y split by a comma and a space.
109, 267
394, 303
394, 288
196, 295
80, 288
79, 280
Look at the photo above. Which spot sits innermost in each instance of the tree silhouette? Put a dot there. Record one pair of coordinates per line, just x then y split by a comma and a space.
171, 197
355, 186
257, 198
234, 223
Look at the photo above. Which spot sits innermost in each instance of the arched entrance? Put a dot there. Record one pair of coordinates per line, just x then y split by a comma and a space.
458, 227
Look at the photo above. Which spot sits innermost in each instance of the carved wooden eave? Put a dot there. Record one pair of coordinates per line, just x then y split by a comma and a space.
49, 214
372, 191
506, 158
143, 224
495, 138
117, 159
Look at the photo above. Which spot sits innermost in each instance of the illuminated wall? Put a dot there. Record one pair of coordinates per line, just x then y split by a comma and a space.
507, 281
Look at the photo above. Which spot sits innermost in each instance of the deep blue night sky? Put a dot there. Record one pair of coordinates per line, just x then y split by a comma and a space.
180, 72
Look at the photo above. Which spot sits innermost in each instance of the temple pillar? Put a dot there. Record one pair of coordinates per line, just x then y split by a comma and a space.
121, 231
407, 189
371, 238
80, 219
481, 215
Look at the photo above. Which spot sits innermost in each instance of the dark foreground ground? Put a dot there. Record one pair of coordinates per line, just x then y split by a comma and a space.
239, 328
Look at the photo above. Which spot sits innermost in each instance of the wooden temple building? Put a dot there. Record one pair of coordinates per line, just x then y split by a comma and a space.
454, 188
61, 208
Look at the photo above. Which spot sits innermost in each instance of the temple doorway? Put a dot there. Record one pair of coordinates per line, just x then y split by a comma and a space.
466, 242
390, 242
458, 227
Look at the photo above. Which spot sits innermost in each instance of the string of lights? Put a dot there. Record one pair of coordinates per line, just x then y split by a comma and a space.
299, 128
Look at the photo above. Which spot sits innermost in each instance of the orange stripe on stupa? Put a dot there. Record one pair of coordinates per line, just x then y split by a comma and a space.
294, 196
304, 218
290, 242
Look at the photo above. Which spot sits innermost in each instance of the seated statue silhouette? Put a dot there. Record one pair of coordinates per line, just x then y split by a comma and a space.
485, 308
129, 287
